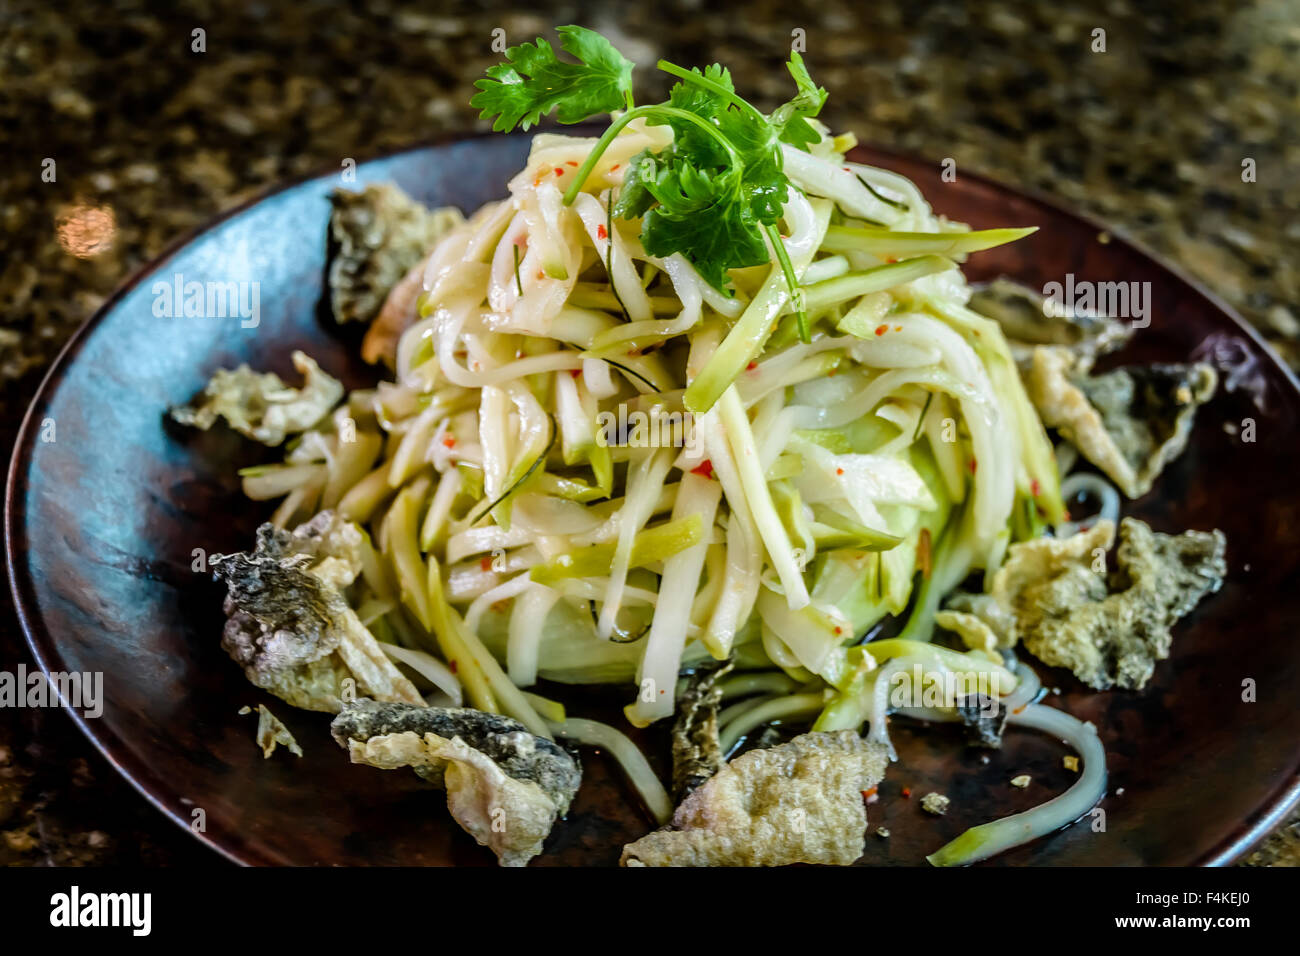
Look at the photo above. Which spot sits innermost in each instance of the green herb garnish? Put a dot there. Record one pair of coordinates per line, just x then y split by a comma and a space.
716, 193
535, 81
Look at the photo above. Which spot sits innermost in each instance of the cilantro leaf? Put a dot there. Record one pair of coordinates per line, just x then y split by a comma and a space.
764, 185
702, 100
706, 103
705, 217
535, 81
790, 118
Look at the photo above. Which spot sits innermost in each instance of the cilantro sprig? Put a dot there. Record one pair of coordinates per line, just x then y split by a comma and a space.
534, 81
716, 193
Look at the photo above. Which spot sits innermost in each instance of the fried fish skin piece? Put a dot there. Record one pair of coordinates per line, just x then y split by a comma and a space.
376, 235
271, 732
1148, 411
1111, 631
1054, 596
799, 802
1108, 629
260, 406
1130, 422
697, 750
505, 786
999, 618
289, 626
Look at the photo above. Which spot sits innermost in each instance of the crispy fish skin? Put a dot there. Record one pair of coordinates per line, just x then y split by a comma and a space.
260, 406
505, 741
1116, 640
376, 235
331, 543
799, 802
697, 751
271, 732
974, 632
1130, 422
291, 629
1109, 629
505, 787
1148, 411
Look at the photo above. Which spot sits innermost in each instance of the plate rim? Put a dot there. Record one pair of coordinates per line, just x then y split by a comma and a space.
1250, 832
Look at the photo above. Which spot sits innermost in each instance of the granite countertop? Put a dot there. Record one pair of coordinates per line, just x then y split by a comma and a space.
148, 138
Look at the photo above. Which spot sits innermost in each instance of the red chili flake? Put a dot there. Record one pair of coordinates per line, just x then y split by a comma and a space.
907, 793
704, 468
881, 329
540, 275
571, 162
575, 372
973, 465
869, 795
452, 664
485, 564
537, 182
601, 233
846, 169
615, 166
751, 366
890, 259
559, 170
839, 471
1034, 488
1020, 709
838, 629
449, 441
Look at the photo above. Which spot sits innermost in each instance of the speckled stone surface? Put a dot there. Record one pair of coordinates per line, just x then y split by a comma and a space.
119, 135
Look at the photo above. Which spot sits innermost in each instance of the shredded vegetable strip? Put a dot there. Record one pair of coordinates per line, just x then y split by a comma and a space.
657, 673
643, 489
604, 459
982, 842
595, 734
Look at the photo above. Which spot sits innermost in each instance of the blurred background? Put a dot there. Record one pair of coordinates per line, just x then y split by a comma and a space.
125, 125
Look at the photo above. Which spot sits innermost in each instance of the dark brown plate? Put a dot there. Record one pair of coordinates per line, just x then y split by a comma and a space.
103, 525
